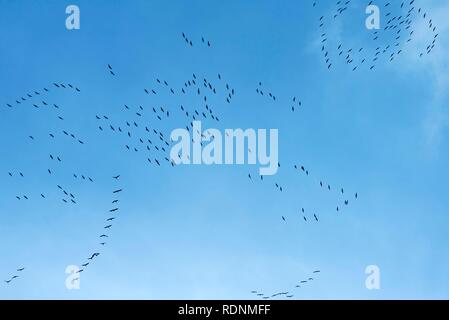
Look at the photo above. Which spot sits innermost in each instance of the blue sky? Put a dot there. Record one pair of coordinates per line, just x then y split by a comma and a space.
208, 232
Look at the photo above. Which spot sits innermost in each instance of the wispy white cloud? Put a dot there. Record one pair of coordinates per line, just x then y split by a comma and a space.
436, 65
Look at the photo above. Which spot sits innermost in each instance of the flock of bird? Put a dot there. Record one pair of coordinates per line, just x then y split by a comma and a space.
311, 215
295, 102
133, 123
66, 196
36, 94
146, 130
54, 161
15, 276
142, 130
387, 42
38, 100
